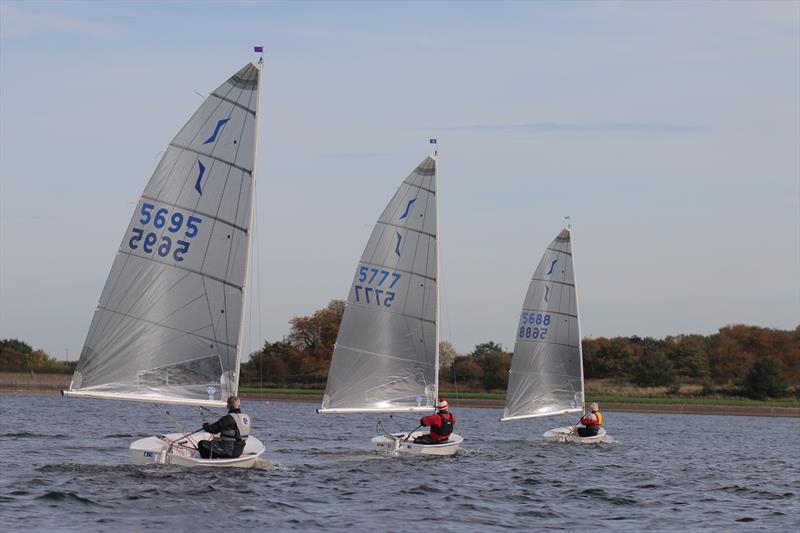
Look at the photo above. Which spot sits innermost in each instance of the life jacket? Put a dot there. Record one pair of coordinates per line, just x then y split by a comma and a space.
240, 431
446, 427
595, 422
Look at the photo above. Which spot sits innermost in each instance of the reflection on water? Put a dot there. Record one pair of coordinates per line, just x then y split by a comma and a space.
65, 465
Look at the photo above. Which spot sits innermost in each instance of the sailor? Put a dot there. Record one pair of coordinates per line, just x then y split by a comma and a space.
233, 430
591, 421
441, 424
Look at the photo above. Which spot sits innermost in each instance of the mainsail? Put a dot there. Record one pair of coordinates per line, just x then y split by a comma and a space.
547, 368
386, 356
168, 323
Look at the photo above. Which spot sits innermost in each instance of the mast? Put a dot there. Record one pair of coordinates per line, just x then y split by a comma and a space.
250, 227
578, 312
435, 157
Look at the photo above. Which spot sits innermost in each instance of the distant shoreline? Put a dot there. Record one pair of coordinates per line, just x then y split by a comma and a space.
316, 398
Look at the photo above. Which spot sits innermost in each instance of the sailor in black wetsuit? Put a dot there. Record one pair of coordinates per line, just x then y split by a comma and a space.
233, 430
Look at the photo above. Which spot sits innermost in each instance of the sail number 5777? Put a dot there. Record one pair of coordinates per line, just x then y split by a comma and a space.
374, 286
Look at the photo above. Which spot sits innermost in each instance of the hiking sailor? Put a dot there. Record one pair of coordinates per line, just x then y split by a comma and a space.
441, 424
233, 430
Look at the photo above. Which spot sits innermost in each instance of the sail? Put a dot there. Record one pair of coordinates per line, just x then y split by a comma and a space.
547, 370
167, 326
386, 354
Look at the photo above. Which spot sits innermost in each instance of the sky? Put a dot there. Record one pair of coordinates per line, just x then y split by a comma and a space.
668, 132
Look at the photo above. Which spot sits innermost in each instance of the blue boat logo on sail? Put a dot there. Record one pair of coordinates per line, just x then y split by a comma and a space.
218, 127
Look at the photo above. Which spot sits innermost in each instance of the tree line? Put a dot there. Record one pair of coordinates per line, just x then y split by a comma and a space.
19, 356
738, 359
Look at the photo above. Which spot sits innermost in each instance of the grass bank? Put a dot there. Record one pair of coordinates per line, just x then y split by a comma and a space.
699, 405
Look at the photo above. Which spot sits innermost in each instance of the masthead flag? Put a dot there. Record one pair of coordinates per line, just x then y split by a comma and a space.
433, 141
258, 49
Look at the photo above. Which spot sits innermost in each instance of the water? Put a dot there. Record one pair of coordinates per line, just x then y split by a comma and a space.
64, 464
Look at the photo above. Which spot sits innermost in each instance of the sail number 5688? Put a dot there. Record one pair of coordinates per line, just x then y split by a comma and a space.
533, 329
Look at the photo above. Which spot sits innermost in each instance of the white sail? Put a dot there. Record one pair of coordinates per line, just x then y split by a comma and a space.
386, 354
547, 369
167, 326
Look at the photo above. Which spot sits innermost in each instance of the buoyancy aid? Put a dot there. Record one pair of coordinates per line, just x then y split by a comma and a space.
595, 422
445, 428
240, 431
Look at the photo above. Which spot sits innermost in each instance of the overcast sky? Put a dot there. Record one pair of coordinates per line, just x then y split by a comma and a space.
667, 131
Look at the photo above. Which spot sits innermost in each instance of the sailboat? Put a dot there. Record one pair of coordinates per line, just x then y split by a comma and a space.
546, 377
168, 326
386, 357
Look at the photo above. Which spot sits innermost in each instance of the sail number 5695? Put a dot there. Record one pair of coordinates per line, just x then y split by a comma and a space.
173, 223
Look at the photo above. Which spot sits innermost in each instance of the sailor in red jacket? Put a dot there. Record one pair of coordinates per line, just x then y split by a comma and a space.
591, 421
441, 424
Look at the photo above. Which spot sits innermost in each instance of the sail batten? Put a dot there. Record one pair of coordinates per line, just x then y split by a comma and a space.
385, 358
546, 376
168, 322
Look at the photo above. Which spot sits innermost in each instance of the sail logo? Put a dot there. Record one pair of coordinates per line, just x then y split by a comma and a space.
553, 264
218, 127
397, 246
547, 293
408, 208
202, 169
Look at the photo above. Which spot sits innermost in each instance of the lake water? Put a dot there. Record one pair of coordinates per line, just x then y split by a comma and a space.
64, 464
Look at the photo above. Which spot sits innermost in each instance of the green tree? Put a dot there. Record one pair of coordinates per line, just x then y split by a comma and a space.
485, 348
16, 345
612, 358
655, 370
766, 380
495, 370
688, 354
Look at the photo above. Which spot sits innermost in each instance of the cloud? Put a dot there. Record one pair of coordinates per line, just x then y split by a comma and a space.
18, 22
566, 127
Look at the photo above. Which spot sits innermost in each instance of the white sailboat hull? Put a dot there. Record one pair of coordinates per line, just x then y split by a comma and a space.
403, 443
167, 449
568, 434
